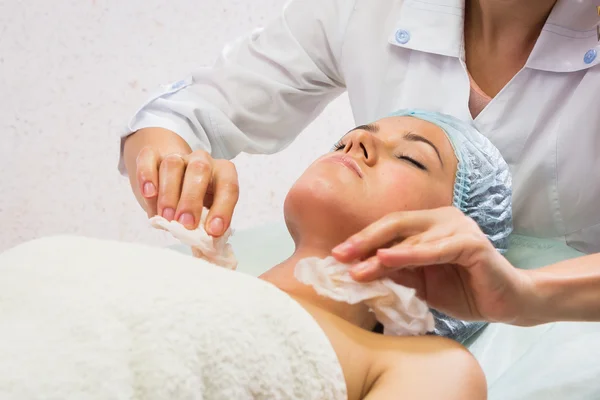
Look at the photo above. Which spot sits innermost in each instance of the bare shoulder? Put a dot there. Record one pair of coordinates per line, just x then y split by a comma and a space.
426, 368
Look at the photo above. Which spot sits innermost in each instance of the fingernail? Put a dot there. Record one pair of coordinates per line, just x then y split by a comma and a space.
149, 189
186, 219
384, 252
216, 226
343, 248
168, 214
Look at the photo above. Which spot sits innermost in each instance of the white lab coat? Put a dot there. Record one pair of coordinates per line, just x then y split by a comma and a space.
391, 54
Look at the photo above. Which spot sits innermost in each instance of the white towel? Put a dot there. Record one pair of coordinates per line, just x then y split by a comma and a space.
88, 319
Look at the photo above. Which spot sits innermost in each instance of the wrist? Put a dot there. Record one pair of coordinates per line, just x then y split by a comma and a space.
532, 300
565, 291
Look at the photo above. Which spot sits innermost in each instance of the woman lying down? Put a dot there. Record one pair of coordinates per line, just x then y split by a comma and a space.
91, 319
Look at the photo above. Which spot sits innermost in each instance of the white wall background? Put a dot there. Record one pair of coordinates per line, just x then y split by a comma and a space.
71, 74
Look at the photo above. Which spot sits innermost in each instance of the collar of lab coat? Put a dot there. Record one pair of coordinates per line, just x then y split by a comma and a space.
569, 37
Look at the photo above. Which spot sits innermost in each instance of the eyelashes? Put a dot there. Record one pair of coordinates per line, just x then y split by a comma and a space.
340, 146
412, 161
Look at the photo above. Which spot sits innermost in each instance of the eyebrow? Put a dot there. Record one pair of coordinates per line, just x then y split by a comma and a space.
373, 128
410, 136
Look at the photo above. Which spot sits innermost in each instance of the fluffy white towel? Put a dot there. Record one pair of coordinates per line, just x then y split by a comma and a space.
88, 319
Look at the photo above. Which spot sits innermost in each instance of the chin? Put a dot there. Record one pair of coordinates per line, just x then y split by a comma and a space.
321, 209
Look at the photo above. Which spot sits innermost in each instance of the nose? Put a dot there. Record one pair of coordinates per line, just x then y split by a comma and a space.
361, 145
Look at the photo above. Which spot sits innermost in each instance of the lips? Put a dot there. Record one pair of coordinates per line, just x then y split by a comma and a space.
347, 162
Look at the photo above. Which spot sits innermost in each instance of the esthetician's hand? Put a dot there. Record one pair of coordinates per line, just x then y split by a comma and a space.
443, 255
178, 186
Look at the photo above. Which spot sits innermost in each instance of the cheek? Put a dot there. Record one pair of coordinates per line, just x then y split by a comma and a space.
402, 189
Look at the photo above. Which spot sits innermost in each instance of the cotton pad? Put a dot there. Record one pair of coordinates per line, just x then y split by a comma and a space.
395, 306
212, 249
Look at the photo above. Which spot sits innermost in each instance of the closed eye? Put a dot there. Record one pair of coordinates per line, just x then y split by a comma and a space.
412, 161
339, 146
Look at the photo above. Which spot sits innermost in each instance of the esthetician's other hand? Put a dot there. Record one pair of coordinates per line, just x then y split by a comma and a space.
446, 257
177, 186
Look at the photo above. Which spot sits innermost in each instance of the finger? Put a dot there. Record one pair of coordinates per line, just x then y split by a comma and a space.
411, 278
198, 174
389, 229
458, 249
147, 177
226, 194
171, 172
368, 270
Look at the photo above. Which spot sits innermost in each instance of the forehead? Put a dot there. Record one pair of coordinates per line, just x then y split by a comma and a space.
390, 127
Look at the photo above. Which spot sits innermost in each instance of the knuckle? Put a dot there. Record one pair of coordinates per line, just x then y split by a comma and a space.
192, 199
393, 219
200, 153
471, 224
188, 200
144, 156
199, 165
225, 164
226, 169
231, 187
144, 174
439, 254
477, 241
146, 151
173, 161
226, 200
141, 174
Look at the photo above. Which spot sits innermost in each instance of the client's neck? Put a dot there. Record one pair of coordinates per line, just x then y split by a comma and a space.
282, 276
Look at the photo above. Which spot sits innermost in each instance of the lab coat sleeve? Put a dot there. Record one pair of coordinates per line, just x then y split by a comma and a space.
263, 89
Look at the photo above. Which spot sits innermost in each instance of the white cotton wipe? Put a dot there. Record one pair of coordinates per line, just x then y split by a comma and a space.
215, 250
395, 306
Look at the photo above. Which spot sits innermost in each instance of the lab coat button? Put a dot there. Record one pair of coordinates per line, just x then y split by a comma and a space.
178, 85
402, 36
590, 56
